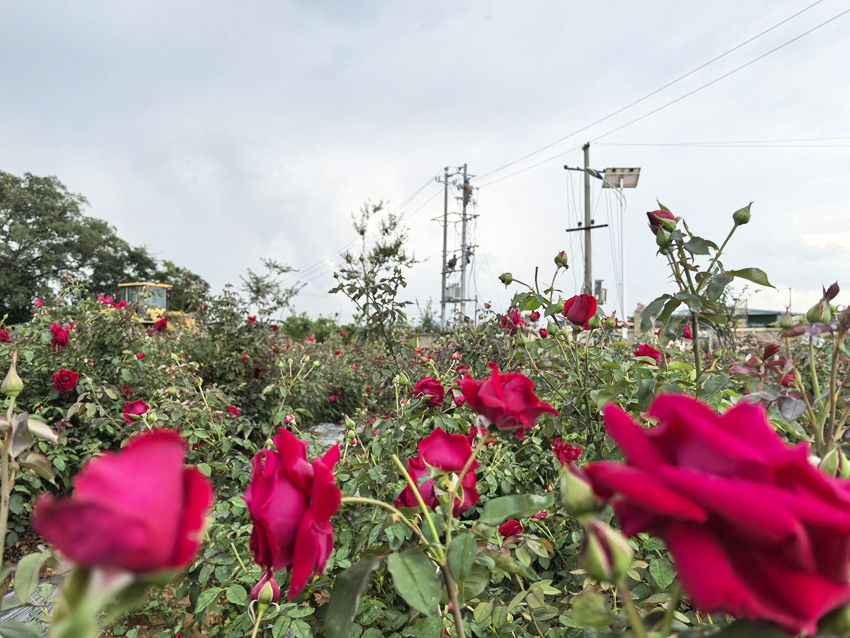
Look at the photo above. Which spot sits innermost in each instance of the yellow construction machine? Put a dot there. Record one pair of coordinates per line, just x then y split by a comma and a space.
151, 300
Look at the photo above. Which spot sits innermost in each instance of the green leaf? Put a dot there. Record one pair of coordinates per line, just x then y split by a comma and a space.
669, 307
498, 510
462, 553
26, 575
482, 612
348, 587
300, 629
553, 309
237, 595
712, 386
661, 570
416, 580
15, 629
697, 246
748, 629
694, 302
476, 582
646, 393
207, 598
756, 275
717, 286
653, 308
591, 610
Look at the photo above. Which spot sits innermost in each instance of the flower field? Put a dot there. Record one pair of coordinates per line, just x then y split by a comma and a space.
529, 473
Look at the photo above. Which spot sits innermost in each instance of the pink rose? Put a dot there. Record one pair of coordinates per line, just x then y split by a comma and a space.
448, 452
65, 380
755, 530
134, 409
39, 303
686, 333
291, 502
505, 400
430, 387
510, 528
540, 515
138, 509
580, 309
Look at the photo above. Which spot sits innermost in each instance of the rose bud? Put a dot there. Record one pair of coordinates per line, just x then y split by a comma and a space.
786, 321
12, 384
577, 495
742, 215
544, 333
267, 591
819, 313
607, 554
534, 316
594, 322
659, 219
662, 238
561, 260
506, 278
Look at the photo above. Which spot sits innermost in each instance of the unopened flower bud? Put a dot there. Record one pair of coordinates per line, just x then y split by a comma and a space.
607, 554
561, 260
12, 384
819, 313
742, 216
577, 495
786, 321
594, 322
662, 238
266, 592
829, 463
402, 379
288, 419
506, 278
610, 322
659, 219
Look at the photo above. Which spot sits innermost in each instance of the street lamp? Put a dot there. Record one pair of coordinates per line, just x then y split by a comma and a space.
621, 178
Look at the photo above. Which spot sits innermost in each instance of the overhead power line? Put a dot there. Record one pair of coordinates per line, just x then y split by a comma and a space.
795, 143
658, 90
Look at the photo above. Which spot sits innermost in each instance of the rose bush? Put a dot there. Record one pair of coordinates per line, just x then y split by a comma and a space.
138, 509
505, 400
291, 502
755, 530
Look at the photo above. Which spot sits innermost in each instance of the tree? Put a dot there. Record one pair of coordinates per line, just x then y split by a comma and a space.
45, 235
267, 292
188, 290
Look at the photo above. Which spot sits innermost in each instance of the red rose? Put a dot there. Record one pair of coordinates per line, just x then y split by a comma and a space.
337, 352
60, 336
252, 319
291, 502
459, 400
565, 452
39, 303
65, 380
580, 309
274, 328
140, 355
234, 411
274, 588
244, 357
788, 381
540, 515
534, 316
645, 350
126, 390
510, 528
161, 325
755, 530
429, 386
134, 408
4, 336
448, 452
686, 333
505, 400
544, 333
138, 509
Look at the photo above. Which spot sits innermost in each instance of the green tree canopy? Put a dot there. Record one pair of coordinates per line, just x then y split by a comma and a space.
44, 235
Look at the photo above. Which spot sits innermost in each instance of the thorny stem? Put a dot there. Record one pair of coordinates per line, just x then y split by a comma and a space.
451, 589
717, 256
632, 613
833, 391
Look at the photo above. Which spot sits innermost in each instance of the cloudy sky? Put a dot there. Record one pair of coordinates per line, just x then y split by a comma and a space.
218, 133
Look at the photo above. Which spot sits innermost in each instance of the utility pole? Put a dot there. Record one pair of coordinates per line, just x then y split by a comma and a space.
588, 278
445, 244
467, 193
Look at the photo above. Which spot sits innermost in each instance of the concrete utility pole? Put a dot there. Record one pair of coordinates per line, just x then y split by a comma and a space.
587, 289
467, 192
445, 243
